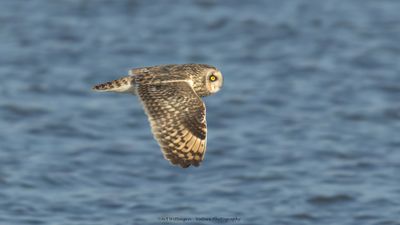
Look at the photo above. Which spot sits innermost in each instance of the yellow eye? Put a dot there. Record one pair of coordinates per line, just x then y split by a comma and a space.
213, 78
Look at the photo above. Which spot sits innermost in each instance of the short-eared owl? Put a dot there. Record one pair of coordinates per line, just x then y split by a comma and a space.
170, 95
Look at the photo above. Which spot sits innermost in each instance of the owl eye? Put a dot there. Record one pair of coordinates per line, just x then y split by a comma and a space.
213, 78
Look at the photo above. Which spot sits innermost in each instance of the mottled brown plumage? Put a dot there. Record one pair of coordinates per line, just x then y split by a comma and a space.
171, 95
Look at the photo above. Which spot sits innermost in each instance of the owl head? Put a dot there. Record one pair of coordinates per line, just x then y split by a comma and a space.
214, 80
208, 80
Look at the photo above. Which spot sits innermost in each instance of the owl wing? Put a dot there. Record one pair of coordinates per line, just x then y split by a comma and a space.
161, 69
177, 117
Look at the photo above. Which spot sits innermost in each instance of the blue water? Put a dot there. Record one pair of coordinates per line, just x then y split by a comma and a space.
304, 131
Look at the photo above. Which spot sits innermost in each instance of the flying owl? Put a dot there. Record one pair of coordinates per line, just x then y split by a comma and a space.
170, 95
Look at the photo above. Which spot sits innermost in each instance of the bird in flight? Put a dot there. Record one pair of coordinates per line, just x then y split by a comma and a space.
171, 97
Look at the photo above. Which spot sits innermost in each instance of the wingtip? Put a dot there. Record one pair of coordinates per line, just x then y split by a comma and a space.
96, 88
107, 86
123, 84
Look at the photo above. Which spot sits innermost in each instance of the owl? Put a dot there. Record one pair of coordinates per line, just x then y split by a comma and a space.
171, 97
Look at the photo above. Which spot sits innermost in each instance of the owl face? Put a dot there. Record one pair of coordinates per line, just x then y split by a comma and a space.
213, 80
207, 79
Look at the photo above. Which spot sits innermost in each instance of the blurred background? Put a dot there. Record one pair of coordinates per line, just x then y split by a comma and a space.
304, 131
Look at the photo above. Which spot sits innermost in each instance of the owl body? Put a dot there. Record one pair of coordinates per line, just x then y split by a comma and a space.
170, 95
192, 73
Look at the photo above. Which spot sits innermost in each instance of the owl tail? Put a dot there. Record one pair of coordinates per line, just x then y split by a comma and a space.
122, 85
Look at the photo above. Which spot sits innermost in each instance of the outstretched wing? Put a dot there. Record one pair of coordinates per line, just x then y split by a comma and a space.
178, 120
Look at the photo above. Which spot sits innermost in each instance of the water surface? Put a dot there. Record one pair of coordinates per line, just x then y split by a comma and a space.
305, 130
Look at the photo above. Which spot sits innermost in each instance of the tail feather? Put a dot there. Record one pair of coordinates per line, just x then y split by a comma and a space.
124, 84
